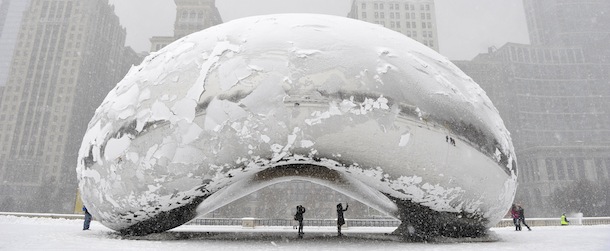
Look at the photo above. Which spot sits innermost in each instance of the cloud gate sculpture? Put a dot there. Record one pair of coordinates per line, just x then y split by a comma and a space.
339, 102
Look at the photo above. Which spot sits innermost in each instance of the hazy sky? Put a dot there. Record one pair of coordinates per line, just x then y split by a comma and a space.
465, 27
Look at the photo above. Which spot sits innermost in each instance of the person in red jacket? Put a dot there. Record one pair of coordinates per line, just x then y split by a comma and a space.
515, 214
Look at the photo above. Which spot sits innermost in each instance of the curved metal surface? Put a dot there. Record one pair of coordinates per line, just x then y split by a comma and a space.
231, 109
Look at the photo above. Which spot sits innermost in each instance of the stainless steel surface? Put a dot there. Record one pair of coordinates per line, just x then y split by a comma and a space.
346, 104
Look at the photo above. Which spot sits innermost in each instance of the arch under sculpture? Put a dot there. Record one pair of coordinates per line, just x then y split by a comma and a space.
346, 104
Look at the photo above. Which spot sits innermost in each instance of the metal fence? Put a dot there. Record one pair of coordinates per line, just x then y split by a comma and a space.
288, 222
586, 221
383, 222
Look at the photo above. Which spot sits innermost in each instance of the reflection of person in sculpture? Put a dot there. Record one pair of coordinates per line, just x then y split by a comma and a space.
299, 217
340, 219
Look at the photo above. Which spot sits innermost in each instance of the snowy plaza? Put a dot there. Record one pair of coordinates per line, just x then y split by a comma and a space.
217, 136
22, 233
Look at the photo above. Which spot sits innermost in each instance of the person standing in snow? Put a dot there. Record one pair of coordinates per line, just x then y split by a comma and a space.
299, 217
522, 217
515, 214
340, 219
88, 218
564, 220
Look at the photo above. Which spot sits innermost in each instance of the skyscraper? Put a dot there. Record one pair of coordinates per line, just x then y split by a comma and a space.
191, 16
554, 96
11, 12
571, 23
413, 18
68, 55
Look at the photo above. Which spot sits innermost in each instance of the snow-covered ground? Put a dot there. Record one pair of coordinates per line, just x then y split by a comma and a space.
21, 233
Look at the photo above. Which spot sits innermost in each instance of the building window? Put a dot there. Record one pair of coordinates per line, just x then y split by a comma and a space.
580, 163
398, 15
392, 24
407, 16
381, 6
570, 169
363, 14
423, 16
428, 16
599, 168
414, 24
607, 168
376, 14
427, 7
549, 169
382, 14
409, 25
376, 6
423, 25
560, 169
363, 6
397, 24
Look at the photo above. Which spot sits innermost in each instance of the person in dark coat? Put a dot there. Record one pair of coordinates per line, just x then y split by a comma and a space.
299, 217
88, 218
340, 219
522, 217
515, 214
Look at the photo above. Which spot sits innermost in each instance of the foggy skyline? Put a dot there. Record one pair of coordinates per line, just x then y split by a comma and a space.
465, 27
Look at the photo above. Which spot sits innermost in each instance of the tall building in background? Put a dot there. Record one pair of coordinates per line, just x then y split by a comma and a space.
191, 16
11, 12
413, 18
571, 23
554, 97
68, 55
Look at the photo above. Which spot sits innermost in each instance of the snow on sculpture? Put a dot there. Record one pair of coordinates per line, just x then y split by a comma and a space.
343, 103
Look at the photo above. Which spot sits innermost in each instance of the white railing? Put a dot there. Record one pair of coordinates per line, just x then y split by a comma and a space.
43, 215
331, 222
557, 222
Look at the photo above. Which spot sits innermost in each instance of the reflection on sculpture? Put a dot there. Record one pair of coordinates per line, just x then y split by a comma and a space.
339, 102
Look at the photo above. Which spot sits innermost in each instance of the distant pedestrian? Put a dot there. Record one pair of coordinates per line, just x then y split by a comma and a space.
452, 141
88, 218
299, 217
340, 219
564, 220
522, 217
446, 138
515, 214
